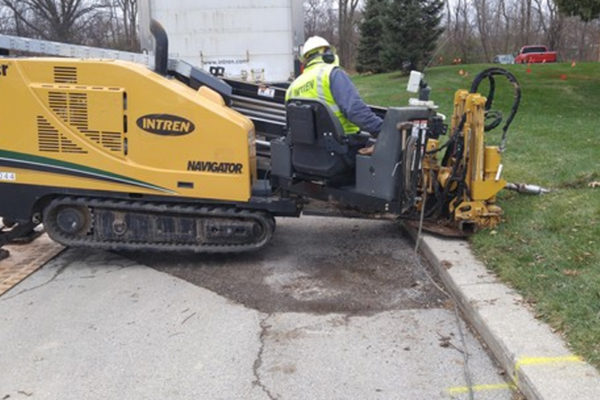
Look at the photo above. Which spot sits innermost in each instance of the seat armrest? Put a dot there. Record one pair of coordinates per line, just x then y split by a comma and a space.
364, 136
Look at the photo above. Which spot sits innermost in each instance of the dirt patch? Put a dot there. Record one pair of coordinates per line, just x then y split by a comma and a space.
317, 265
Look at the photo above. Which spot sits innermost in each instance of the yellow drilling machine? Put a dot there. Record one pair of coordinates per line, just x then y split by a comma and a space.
115, 155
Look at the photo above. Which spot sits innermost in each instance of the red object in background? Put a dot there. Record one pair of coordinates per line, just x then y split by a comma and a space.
535, 54
563, 77
528, 70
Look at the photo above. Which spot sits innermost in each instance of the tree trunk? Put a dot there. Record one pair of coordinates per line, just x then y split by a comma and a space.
581, 50
346, 11
482, 23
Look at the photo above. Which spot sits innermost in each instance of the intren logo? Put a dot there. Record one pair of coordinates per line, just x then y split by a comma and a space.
165, 124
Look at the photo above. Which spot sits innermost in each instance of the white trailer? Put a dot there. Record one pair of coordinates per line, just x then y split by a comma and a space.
255, 40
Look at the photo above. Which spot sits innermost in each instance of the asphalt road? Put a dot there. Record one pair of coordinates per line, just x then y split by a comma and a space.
331, 309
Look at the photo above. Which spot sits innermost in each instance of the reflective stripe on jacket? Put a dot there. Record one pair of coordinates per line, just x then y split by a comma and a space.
314, 84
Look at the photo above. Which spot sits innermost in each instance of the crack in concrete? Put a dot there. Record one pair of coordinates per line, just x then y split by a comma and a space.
258, 361
112, 268
58, 272
465, 353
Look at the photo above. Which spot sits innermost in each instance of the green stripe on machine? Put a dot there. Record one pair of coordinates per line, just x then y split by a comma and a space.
68, 167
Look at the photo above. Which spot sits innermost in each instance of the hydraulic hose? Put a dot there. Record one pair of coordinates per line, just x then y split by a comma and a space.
497, 115
455, 148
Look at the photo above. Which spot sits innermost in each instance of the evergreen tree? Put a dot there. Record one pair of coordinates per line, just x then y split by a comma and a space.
587, 10
431, 20
371, 30
411, 30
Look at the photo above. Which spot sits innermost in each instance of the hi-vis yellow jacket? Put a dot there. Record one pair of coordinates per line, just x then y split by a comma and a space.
314, 84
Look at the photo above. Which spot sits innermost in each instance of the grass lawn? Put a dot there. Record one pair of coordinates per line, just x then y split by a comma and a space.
548, 246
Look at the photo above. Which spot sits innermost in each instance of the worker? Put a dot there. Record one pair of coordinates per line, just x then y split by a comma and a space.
323, 79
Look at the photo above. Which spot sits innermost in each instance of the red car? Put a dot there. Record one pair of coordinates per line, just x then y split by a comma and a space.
535, 54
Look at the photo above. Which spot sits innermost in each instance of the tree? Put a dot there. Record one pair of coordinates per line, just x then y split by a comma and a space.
120, 19
61, 20
431, 20
370, 44
525, 20
129, 10
320, 19
552, 22
459, 31
587, 10
346, 31
411, 30
483, 25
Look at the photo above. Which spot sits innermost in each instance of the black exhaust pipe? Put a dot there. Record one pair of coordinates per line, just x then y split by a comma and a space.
161, 51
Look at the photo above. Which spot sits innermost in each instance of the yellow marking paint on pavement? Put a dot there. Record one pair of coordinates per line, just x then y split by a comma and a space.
481, 388
543, 361
546, 360
521, 362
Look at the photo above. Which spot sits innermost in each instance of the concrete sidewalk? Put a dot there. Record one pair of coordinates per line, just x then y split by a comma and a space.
538, 360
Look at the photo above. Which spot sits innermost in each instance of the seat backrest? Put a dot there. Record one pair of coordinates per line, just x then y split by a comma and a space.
311, 119
317, 139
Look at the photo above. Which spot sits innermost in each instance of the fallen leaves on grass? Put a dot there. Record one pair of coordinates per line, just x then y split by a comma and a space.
571, 272
581, 181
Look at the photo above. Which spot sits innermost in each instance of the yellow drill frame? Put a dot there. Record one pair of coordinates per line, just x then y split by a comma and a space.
476, 208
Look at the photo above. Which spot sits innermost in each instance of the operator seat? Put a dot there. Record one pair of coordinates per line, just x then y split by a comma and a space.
319, 145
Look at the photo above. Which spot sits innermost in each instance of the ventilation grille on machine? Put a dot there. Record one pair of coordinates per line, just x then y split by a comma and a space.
50, 140
72, 108
58, 104
65, 75
78, 110
111, 140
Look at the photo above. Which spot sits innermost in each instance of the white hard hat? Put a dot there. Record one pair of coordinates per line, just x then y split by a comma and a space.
313, 43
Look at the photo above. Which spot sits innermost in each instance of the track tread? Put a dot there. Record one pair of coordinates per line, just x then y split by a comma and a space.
200, 211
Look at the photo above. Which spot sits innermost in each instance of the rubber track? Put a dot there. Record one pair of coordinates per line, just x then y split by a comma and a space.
266, 220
